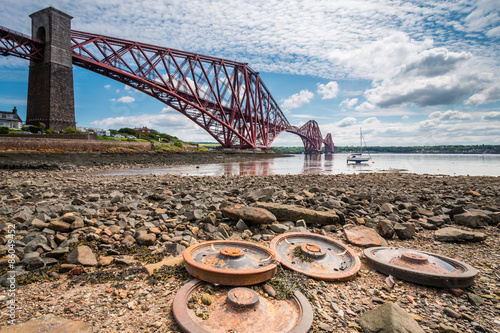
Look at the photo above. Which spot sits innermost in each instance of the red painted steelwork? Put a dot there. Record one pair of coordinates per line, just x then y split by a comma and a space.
226, 98
310, 135
19, 45
329, 147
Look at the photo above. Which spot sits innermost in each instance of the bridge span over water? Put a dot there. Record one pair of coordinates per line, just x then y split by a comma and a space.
226, 98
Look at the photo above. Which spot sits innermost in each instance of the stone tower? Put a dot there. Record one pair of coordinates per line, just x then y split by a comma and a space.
50, 84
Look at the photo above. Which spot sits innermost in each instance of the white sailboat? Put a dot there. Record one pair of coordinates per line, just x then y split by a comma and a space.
359, 157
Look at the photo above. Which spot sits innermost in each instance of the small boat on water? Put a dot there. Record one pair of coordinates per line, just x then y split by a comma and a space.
359, 157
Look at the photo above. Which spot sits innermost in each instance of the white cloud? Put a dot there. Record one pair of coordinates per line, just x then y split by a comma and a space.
349, 103
126, 99
348, 121
297, 100
450, 115
433, 77
405, 117
107, 86
488, 95
492, 116
329, 90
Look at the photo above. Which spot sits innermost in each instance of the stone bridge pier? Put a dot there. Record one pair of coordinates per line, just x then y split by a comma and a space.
50, 85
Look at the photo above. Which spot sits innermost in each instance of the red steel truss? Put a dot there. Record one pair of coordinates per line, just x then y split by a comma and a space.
329, 147
310, 135
19, 45
226, 98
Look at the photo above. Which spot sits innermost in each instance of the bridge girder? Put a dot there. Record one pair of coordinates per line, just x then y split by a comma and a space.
226, 98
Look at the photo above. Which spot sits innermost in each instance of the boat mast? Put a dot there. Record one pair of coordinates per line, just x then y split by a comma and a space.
361, 140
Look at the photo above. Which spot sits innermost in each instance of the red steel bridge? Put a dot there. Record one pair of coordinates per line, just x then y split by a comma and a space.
226, 98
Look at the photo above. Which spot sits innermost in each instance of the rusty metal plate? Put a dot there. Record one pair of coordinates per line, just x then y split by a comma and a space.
421, 267
232, 263
240, 310
317, 256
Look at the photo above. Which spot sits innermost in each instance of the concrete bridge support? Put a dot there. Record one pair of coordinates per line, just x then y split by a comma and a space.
50, 84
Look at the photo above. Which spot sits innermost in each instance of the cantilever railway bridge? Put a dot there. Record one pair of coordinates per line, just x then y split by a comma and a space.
226, 98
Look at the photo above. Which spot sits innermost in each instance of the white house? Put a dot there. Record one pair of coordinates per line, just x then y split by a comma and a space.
11, 119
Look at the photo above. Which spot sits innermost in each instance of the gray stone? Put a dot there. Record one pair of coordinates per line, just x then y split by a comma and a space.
472, 219
279, 228
293, 213
241, 225
39, 241
405, 230
388, 318
451, 234
82, 255
174, 249
385, 228
436, 220
262, 194
386, 208
194, 215
33, 261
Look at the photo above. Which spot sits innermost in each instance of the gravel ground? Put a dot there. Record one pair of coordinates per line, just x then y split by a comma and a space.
129, 222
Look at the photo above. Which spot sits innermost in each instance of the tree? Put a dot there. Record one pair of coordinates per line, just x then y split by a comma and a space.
4, 130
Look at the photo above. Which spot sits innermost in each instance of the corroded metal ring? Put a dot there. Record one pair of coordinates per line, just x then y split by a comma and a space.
294, 315
421, 267
316, 256
231, 263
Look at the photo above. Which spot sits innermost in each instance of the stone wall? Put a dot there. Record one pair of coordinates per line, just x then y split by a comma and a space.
44, 143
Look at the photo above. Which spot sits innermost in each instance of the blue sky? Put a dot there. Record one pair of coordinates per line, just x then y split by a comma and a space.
407, 72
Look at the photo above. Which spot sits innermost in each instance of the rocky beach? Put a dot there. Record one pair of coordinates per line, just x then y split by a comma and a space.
104, 253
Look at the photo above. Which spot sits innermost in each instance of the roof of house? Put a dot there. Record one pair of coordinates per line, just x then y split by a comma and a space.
12, 116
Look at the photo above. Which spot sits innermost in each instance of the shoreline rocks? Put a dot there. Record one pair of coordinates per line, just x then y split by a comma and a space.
96, 241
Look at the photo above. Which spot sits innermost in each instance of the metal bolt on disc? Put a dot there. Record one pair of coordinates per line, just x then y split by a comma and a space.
421, 267
231, 263
241, 310
317, 256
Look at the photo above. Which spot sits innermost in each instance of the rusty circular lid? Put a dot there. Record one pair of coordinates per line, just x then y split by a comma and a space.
317, 256
231, 263
421, 267
294, 315
242, 297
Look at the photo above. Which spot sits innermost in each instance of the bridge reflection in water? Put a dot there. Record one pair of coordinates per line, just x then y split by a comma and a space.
292, 165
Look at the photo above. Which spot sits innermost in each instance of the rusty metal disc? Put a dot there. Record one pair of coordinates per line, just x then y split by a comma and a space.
317, 256
421, 267
230, 263
294, 315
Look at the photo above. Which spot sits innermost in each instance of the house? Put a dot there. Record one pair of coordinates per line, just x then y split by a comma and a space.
11, 119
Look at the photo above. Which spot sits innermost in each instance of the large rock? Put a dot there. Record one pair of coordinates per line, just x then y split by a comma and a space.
59, 226
363, 236
295, 213
385, 228
472, 219
252, 215
451, 234
49, 324
82, 255
388, 318
405, 230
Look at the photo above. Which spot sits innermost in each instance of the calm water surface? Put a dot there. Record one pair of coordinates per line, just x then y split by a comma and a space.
434, 164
